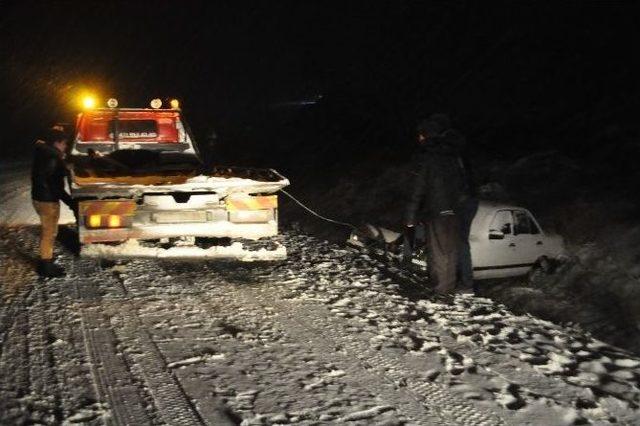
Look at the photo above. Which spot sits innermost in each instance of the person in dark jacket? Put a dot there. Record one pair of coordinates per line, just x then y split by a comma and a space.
465, 211
436, 194
47, 190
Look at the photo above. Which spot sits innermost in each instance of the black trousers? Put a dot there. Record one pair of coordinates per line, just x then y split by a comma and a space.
465, 213
443, 243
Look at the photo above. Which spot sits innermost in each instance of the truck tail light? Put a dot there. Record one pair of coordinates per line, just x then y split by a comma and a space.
244, 208
114, 221
107, 221
107, 213
94, 221
251, 216
238, 202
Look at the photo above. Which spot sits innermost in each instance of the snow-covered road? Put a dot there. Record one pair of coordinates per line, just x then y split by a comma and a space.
15, 197
329, 336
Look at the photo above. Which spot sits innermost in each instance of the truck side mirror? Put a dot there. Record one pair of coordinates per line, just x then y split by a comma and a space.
496, 235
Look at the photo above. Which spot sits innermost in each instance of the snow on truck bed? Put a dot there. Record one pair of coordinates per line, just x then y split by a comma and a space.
226, 180
223, 185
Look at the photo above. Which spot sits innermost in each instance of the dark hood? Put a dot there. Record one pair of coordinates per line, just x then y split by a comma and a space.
449, 143
44, 149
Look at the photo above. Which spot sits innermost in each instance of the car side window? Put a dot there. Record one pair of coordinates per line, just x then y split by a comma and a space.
535, 229
524, 224
502, 221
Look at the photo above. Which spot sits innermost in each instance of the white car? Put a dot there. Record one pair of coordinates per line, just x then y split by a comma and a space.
507, 241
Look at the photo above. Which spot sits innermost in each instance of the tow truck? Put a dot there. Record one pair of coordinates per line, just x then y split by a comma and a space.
142, 190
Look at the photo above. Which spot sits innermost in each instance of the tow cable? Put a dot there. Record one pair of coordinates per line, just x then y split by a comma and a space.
326, 219
388, 246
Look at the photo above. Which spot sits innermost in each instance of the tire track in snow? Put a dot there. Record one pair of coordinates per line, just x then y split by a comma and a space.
15, 202
78, 401
14, 365
318, 319
16, 277
112, 379
468, 336
27, 355
8, 179
313, 325
172, 402
12, 190
403, 399
43, 377
19, 210
437, 405
405, 403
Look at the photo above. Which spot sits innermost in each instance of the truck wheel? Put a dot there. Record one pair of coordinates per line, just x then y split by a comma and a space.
105, 264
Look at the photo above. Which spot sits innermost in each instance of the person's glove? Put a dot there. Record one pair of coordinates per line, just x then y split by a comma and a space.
73, 206
71, 203
410, 234
409, 241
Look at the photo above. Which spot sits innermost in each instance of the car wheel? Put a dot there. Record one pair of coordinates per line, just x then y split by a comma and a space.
543, 266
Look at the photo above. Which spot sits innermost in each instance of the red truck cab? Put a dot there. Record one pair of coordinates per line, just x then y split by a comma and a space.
106, 130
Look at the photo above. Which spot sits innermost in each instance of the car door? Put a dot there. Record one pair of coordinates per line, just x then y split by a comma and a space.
528, 237
503, 251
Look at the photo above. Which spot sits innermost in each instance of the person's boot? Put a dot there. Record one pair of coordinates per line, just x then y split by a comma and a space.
444, 298
48, 269
465, 291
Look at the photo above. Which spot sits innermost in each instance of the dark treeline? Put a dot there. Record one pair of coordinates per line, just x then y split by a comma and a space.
516, 77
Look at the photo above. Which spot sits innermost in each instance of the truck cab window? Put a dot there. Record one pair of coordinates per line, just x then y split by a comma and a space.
134, 129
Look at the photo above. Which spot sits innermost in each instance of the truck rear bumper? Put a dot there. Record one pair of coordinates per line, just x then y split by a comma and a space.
133, 249
222, 229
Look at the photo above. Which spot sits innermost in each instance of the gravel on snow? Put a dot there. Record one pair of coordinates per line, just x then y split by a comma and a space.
327, 336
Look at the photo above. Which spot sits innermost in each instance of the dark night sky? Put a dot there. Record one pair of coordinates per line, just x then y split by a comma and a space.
556, 68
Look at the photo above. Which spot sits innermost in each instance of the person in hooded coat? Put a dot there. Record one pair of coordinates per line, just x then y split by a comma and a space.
437, 191
465, 211
47, 190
